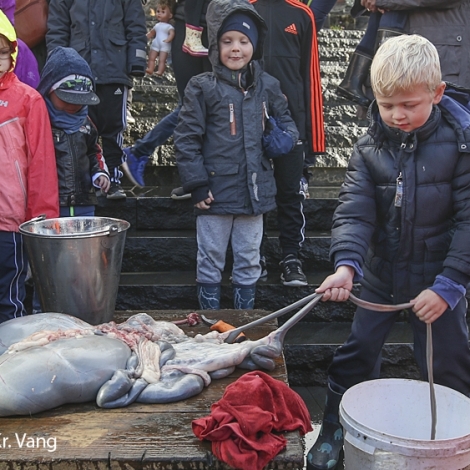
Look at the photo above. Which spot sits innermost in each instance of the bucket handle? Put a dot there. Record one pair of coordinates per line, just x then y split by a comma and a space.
113, 230
39, 218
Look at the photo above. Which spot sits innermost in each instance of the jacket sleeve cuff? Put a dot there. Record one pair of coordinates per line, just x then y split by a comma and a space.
449, 290
358, 273
96, 176
199, 194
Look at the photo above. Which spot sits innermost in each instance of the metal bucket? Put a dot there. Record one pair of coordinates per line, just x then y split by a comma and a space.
76, 264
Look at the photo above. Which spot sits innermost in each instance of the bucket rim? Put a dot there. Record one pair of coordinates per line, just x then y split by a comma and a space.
404, 446
122, 226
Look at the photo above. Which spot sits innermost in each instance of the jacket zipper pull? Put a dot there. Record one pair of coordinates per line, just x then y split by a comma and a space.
265, 115
233, 129
399, 191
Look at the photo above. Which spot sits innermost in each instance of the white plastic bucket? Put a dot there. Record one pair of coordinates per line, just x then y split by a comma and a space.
387, 426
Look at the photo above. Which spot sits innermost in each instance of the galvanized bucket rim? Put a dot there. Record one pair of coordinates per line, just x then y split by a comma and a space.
113, 227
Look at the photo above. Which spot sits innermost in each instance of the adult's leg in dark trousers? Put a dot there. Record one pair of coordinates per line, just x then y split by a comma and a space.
185, 65
13, 267
158, 135
192, 13
451, 352
291, 221
358, 358
109, 117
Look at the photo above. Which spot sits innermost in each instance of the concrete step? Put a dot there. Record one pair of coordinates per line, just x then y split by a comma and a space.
169, 250
309, 350
159, 290
152, 208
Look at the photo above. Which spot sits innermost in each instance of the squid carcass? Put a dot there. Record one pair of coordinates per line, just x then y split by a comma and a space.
51, 359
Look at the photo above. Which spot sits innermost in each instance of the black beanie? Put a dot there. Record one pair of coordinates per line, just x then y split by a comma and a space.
243, 23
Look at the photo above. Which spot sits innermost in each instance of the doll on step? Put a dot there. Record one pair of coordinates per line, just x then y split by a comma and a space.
162, 34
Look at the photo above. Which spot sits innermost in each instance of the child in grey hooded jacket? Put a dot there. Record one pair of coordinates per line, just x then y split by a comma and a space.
220, 153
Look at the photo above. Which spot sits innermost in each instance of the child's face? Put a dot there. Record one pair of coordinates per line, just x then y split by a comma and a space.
163, 14
408, 110
5, 56
61, 105
235, 50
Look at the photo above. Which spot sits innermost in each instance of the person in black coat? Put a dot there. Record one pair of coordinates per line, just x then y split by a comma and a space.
402, 227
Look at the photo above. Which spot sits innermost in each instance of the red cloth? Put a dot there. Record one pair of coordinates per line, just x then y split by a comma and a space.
242, 423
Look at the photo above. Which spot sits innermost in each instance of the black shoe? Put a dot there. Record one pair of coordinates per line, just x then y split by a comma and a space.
178, 194
116, 192
356, 74
292, 274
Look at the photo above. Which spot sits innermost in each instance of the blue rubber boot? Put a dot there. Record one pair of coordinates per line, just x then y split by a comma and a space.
208, 296
244, 297
324, 454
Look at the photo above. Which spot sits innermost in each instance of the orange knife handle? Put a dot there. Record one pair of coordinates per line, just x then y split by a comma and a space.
222, 327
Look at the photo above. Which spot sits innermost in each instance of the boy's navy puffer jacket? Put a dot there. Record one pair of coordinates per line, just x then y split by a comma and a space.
403, 249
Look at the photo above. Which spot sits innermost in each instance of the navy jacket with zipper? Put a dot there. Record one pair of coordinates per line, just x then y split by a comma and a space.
403, 249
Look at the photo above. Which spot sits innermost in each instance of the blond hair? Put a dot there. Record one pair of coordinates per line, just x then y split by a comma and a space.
404, 62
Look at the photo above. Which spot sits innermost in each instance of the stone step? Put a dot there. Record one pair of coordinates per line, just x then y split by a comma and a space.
153, 209
309, 349
169, 250
177, 290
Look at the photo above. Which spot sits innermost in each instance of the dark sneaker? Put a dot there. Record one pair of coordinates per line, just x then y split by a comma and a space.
134, 167
264, 271
116, 192
178, 194
292, 274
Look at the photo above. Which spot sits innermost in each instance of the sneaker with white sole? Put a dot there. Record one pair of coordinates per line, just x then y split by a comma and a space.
134, 167
292, 274
116, 192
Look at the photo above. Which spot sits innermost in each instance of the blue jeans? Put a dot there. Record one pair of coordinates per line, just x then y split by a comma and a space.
158, 135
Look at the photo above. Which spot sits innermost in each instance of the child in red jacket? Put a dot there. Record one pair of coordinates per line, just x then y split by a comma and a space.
28, 180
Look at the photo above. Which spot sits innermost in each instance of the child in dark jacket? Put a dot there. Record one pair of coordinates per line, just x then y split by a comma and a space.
402, 227
219, 150
67, 87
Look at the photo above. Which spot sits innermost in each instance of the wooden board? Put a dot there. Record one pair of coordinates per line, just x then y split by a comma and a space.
139, 436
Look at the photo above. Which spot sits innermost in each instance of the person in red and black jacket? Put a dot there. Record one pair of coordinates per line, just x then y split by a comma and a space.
291, 55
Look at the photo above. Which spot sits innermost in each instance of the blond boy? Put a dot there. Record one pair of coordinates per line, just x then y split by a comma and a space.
402, 228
